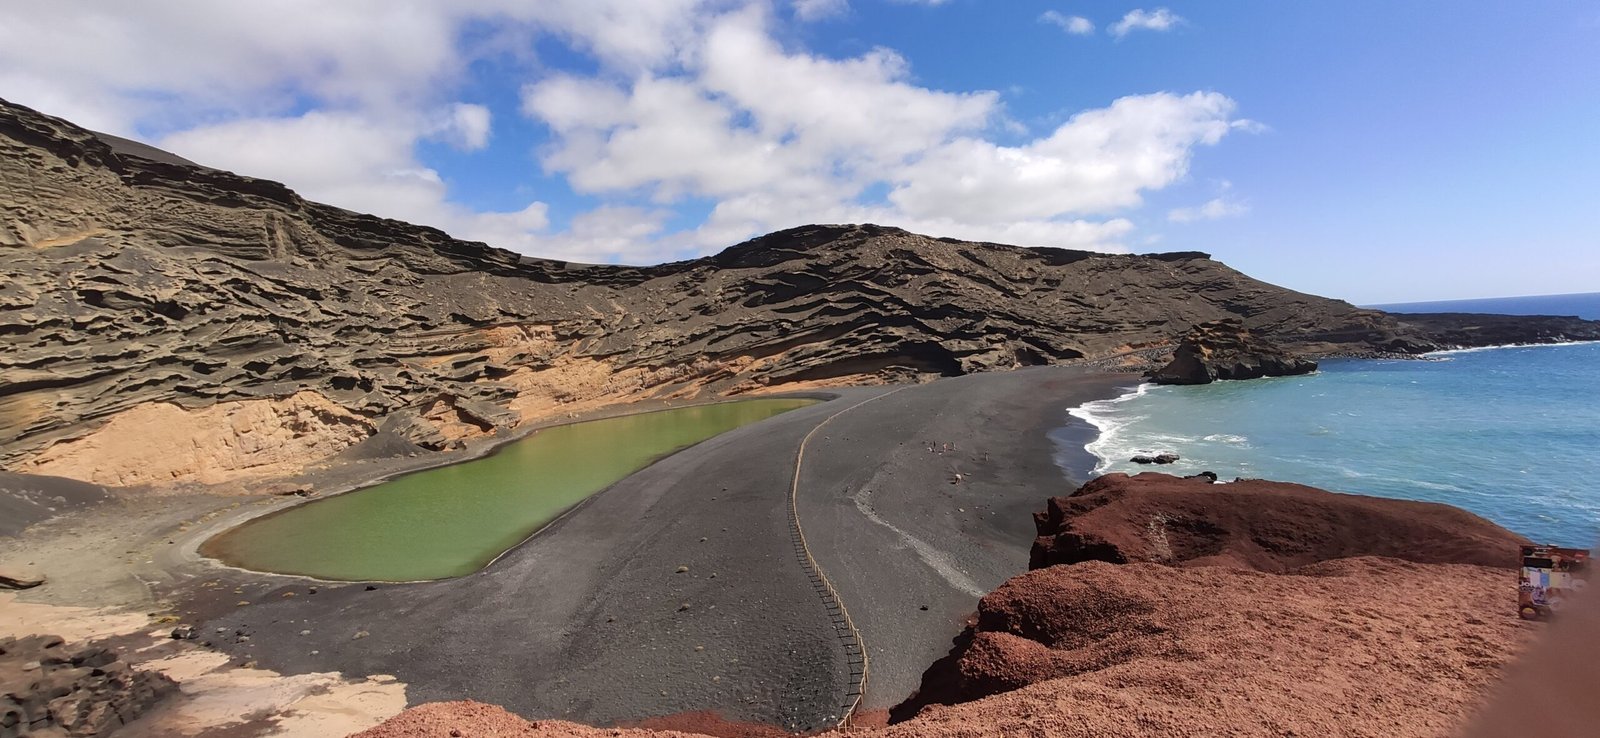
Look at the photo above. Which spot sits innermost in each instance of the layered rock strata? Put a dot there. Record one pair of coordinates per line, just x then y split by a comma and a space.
169, 323
1225, 349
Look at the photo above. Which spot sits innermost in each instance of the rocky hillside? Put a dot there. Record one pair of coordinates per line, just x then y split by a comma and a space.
169, 322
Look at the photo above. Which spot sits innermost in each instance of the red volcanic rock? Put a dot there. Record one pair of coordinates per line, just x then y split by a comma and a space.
1189, 609
1362, 646
476, 719
1255, 524
1160, 571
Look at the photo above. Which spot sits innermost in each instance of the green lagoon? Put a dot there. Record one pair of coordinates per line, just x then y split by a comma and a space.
454, 520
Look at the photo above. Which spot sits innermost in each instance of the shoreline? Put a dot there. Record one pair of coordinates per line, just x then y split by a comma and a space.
1269, 431
194, 543
1497, 347
739, 571
591, 599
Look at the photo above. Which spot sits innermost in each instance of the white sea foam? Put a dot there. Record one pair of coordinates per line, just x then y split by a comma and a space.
1475, 349
1226, 438
1109, 443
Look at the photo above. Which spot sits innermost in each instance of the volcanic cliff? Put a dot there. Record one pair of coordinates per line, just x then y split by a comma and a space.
167, 322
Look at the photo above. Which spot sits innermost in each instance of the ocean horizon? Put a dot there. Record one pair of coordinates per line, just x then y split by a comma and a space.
1584, 305
1509, 433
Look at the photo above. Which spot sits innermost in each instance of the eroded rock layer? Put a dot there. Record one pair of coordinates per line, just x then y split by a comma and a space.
1224, 349
166, 322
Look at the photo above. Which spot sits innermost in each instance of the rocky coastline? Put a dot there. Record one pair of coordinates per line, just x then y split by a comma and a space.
183, 343
1157, 604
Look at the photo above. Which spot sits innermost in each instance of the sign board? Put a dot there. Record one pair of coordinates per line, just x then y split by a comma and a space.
1550, 577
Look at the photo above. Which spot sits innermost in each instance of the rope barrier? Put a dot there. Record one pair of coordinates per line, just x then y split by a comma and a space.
850, 636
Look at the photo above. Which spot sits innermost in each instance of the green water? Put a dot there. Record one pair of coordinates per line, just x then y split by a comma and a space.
454, 520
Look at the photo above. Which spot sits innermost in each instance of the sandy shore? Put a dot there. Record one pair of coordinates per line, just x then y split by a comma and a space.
591, 620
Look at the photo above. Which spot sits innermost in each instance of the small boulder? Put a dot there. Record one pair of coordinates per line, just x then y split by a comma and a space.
1165, 457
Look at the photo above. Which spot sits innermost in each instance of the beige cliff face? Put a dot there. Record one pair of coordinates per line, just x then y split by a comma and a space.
160, 443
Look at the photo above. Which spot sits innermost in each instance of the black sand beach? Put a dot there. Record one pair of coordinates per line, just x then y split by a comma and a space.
595, 619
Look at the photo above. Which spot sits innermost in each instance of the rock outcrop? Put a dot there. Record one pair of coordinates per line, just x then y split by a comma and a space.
1467, 330
1255, 524
146, 299
1374, 646
1268, 564
48, 688
1225, 349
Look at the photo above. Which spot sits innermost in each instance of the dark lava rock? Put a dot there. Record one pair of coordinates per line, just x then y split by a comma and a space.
50, 688
184, 633
1226, 349
1209, 477
1161, 458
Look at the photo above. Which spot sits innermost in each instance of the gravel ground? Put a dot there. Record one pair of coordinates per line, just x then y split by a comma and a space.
678, 590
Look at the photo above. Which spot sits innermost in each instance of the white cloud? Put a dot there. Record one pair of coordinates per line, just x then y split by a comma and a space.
1213, 209
1099, 161
1140, 19
465, 126
750, 117
356, 163
1076, 25
687, 100
781, 138
810, 10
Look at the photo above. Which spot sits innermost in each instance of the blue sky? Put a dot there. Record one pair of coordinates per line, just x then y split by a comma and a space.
1377, 152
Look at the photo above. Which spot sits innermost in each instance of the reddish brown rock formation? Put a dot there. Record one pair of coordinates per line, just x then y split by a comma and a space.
1296, 545
1226, 349
1359, 646
1255, 524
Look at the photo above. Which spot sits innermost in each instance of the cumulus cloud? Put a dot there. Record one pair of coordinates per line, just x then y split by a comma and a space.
686, 104
358, 163
1076, 25
1098, 161
1213, 209
465, 126
1140, 19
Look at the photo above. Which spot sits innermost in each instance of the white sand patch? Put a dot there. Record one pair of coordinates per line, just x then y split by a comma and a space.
216, 696
75, 624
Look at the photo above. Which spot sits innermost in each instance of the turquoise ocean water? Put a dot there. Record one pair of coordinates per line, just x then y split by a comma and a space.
1512, 434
